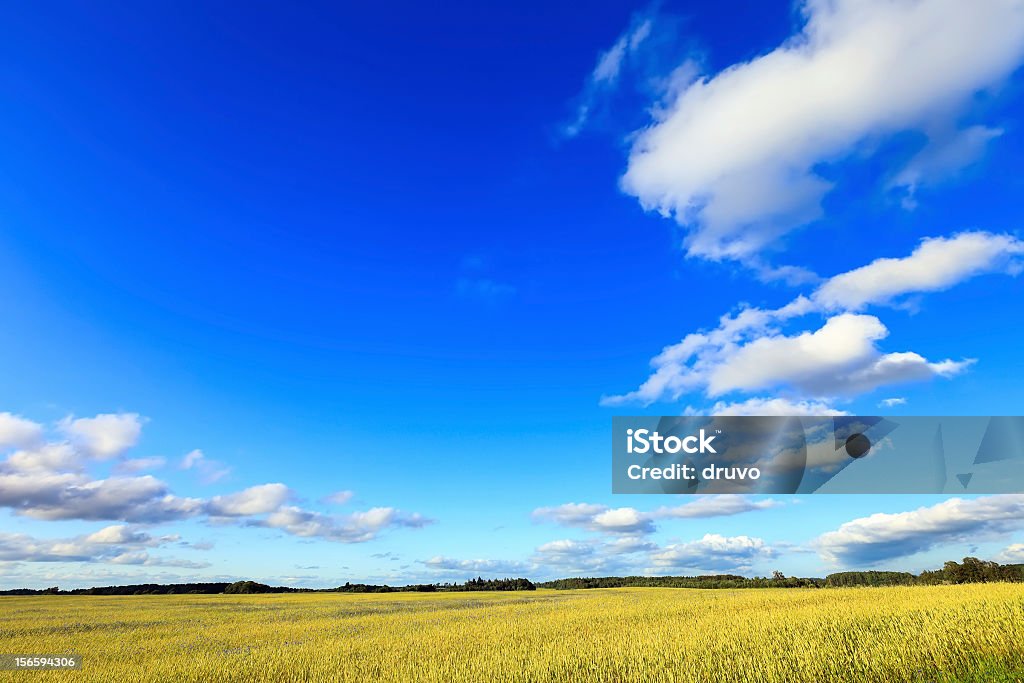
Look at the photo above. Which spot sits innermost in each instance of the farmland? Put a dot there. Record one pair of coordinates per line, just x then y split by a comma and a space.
919, 633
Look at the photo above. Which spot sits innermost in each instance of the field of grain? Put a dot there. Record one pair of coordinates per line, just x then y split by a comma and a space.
955, 633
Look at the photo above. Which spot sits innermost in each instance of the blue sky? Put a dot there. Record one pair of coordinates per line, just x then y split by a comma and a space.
423, 256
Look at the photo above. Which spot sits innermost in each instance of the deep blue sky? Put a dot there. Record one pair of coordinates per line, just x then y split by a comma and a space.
349, 247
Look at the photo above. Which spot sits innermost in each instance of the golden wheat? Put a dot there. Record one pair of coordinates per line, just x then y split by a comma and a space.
954, 633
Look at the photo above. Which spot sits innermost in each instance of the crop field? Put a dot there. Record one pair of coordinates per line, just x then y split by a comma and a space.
938, 633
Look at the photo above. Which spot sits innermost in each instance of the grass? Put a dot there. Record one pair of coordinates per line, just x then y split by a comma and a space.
922, 633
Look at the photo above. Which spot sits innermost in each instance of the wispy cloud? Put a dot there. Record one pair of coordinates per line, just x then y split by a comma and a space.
735, 156
607, 70
628, 520
209, 471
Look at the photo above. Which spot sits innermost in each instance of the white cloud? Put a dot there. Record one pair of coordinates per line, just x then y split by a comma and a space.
884, 536
714, 553
734, 156
714, 506
141, 557
749, 352
606, 72
67, 495
18, 432
209, 471
570, 514
120, 534
45, 457
112, 545
132, 465
104, 436
255, 500
941, 158
571, 556
936, 264
594, 517
339, 497
839, 358
50, 481
503, 568
630, 521
610, 62
843, 342
353, 528
1013, 554
622, 520
673, 375
892, 402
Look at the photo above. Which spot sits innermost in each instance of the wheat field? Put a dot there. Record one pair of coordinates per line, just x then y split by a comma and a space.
938, 633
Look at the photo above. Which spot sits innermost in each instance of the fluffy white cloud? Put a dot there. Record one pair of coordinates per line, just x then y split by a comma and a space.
937, 264
839, 358
678, 368
255, 500
45, 457
19, 432
843, 342
1013, 554
595, 517
120, 534
734, 156
714, 553
104, 436
883, 536
67, 495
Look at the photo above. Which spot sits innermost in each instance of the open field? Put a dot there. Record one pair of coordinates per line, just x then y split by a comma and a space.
969, 632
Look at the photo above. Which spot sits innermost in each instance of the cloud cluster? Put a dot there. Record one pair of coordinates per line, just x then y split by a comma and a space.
117, 544
750, 352
714, 552
632, 554
868, 540
735, 157
52, 480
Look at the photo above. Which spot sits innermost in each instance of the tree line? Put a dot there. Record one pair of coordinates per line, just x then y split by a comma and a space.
250, 587
970, 570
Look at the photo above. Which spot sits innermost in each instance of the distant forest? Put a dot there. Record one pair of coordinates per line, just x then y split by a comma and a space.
970, 570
